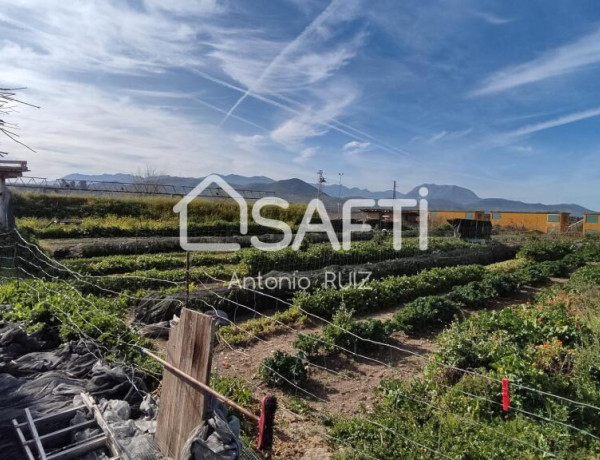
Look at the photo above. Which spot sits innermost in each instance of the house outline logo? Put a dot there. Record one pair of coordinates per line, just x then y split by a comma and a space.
181, 208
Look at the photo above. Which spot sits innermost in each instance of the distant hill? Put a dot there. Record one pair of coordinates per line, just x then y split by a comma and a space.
233, 179
295, 190
499, 204
451, 193
355, 192
441, 197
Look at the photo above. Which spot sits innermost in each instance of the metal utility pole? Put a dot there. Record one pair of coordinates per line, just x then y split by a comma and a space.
320, 181
340, 194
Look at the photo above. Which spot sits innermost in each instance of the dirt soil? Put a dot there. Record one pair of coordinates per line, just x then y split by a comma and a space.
347, 388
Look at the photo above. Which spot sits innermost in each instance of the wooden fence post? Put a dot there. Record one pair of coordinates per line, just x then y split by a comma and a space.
182, 407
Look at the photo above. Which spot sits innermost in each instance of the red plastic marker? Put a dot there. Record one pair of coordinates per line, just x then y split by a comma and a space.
505, 395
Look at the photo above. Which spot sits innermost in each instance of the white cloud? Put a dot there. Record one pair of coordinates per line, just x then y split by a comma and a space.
186, 7
436, 137
580, 54
305, 154
523, 148
459, 134
492, 18
102, 37
108, 133
355, 147
560, 121
298, 62
314, 121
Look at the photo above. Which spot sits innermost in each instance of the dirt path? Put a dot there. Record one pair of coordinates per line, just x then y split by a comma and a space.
346, 389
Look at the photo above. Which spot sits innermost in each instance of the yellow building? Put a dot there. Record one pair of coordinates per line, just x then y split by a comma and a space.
543, 222
591, 224
437, 218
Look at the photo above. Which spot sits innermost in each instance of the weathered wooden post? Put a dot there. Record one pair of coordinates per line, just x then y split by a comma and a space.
9, 170
182, 407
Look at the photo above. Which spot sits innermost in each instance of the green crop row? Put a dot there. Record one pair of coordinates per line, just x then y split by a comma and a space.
114, 226
548, 345
322, 255
432, 311
389, 292
153, 279
261, 328
111, 265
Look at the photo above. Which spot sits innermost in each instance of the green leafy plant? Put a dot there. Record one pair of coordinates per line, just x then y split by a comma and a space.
283, 370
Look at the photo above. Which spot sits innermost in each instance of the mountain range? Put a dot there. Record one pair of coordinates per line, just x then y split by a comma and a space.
441, 197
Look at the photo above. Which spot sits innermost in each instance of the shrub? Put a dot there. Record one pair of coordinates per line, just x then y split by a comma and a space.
283, 370
426, 312
343, 332
587, 275
590, 251
540, 249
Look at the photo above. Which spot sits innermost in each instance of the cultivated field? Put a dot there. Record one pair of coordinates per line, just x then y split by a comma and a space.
408, 364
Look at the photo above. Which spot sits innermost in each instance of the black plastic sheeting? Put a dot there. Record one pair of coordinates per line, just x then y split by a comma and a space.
47, 381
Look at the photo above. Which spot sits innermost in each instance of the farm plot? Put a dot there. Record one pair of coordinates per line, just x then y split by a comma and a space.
326, 373
335, 344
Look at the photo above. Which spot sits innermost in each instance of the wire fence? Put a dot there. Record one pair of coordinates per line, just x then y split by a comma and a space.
21, 260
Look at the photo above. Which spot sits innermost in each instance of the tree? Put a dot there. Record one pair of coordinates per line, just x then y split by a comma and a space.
8, 101
149, 180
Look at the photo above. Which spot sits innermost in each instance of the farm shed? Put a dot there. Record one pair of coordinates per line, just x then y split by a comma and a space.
437, 218
543, 222
591, 224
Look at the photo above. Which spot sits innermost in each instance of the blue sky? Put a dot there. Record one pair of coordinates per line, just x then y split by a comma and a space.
501, 97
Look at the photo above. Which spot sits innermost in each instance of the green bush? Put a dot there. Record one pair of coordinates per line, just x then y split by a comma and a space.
343, 332
426, 312
541, 249
590, 274
283, 370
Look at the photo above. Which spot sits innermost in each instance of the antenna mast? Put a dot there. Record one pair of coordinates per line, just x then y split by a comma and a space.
320, 181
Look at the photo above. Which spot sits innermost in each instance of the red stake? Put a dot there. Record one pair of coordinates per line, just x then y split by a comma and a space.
266, 423
505, 395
